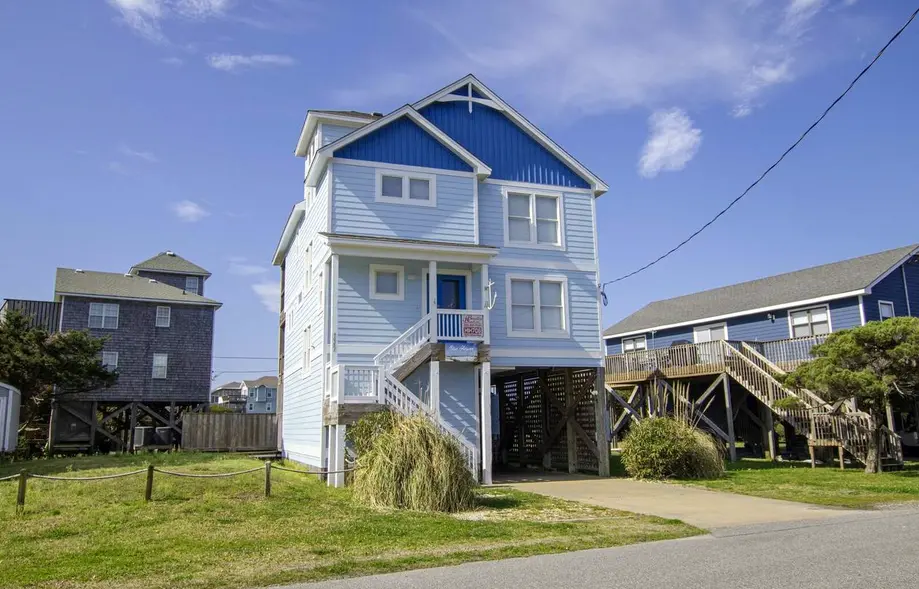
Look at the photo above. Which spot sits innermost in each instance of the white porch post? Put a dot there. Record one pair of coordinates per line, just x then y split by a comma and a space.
485, 301
485, 442
338, 479
435, 387
432, 301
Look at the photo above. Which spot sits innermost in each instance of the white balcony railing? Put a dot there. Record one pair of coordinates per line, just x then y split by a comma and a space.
355, 383
461, 325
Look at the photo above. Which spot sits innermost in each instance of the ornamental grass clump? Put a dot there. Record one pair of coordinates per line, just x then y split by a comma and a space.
413, 465
666, 448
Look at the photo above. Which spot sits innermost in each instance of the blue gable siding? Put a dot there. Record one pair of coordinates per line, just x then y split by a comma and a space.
355, 210
845, 314
464, 91
889, 289
501, 144
912, 284
403, 142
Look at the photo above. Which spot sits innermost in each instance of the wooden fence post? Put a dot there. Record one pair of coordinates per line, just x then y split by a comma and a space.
21, 495
267, 478
148, 490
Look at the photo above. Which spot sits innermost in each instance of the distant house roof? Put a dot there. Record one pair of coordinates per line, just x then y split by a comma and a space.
350, 113
170, 262
229, 386
69, 281
266, 381
845, 278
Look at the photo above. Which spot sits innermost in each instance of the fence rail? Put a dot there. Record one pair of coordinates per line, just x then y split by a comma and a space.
229, 432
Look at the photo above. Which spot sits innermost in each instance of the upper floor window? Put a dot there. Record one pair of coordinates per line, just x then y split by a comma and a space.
406, 188
308, 270
110, 360
387, 282
103, 315
537, 307
160, 365
533, 219
634, 344
886, 310
191, 284
163, 316
809, 322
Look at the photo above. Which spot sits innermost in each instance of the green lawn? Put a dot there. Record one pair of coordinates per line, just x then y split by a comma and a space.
823, 485
225, 533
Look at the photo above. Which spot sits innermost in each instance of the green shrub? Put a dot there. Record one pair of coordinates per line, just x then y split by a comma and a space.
664, 448
413, 465
368, 428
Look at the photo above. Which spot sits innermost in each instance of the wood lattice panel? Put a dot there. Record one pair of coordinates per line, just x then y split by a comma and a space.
585, 417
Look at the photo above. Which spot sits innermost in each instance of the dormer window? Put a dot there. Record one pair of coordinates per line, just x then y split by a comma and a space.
399, 187
191, 284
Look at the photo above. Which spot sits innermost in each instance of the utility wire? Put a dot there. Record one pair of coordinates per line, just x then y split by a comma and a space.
777, 162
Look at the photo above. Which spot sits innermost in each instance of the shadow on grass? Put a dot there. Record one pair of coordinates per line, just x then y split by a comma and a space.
498, 501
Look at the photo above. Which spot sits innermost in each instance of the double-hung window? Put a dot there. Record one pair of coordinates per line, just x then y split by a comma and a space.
809, 322
885, 309
406, 188
533, 219
537, 307
103, 315
308, 269
634, 344
387, 282
163, 316
160, 365
110, 361
191, 284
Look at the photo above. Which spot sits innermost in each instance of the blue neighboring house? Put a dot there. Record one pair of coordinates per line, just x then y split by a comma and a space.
260, 395
442, 250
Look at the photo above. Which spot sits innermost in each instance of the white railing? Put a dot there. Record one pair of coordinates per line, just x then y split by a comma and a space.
788, 354
460, 325
405, 345
354, 383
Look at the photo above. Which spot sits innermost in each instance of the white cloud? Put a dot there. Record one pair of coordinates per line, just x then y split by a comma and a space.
600, 55
270, 295
230, 62
672, 143
141, 155
146, 16
241, 267
189, 212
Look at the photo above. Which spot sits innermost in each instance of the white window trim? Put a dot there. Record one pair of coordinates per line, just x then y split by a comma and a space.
642, 338
829, 318
537, 332
308, 268
110, 366
168, 316
698, 328
165, 367
893, 309
197, 284
307, 358
532, 244
104, 306
400, 282
406, 177
425, 276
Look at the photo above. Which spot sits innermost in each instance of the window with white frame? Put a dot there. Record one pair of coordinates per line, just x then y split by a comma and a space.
634, 344
191, 284
163, 316
110, 361
387, 282
406, 188
103, 315
308, 347
885, 308
533, 219
537, 307
809, 322
160, 365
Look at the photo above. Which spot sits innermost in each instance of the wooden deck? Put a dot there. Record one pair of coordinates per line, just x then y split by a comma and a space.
704, 359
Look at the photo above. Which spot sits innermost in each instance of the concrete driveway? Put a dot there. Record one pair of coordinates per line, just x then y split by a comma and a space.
702, 508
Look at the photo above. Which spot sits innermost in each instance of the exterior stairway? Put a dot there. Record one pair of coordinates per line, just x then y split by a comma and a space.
813, 417
406, 353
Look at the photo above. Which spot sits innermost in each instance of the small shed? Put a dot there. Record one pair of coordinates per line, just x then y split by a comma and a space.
10, 398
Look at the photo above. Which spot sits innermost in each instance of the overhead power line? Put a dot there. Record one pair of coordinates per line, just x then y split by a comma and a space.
777, 162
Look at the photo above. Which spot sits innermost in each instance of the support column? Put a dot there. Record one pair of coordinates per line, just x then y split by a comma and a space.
570, 434
485, 301
435, 387
333, 319
52, 423
432, 300
729, 413
338, 479
94, 424
769, 444
891, 422
485, 442
601, 411
133, 425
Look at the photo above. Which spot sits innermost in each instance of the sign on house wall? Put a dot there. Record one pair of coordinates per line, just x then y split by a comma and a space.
460, 351
474, 326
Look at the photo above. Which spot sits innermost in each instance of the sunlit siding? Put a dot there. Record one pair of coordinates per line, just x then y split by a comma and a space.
356, 211
332, 133
499, 142
458, 398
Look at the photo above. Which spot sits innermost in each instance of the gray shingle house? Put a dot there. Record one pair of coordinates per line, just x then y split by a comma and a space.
160, 331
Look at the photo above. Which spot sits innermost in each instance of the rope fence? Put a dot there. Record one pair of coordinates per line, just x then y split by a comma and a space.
24, 476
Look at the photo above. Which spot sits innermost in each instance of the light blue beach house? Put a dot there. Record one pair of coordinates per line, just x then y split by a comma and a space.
443, 255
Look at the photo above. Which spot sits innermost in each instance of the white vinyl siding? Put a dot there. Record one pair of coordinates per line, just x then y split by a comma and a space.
307, 348
191, 284
886, 310
538, 306
634, 344
308, 270
163, 316
160, 365
110, 361
387, 282
809, 322
103, 315
406, 188
533, 219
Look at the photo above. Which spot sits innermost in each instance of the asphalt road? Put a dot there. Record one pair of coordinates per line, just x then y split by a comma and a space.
865, 550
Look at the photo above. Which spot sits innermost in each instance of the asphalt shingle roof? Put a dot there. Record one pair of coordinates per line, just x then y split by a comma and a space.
268, 381
170, 262
350, 113
819, 281
128, 286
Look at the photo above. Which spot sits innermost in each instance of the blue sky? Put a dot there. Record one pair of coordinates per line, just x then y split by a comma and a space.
128, 127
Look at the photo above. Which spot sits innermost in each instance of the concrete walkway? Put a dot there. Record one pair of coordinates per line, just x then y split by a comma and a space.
702, 508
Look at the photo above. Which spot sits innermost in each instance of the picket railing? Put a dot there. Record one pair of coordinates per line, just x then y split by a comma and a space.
675, 361
405, 345
788, 354
460, 325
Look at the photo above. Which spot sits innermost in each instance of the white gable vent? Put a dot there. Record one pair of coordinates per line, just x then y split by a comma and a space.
170, 253
79, 270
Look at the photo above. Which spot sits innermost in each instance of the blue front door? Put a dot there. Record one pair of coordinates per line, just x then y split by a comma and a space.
451, 291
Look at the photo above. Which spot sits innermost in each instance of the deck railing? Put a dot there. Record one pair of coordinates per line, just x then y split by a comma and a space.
682, 360
788, 354
460, 325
